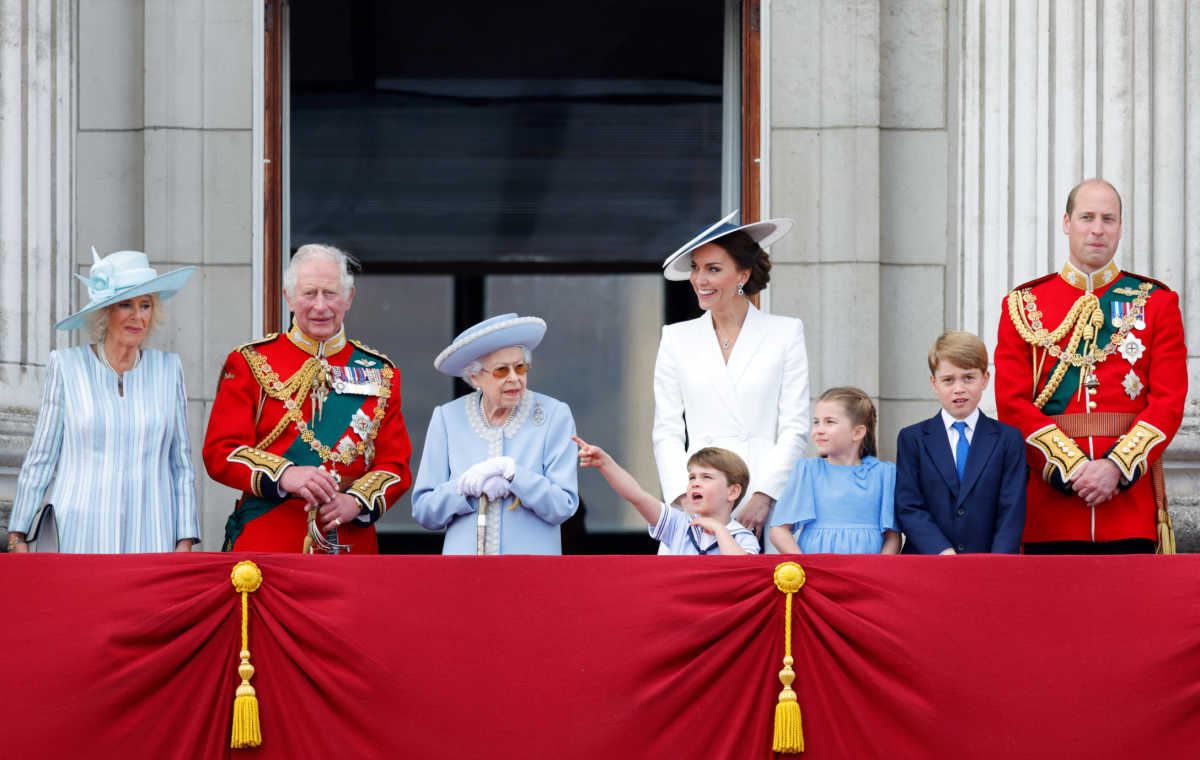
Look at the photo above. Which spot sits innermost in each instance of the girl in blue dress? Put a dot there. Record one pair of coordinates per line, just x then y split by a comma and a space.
841, 502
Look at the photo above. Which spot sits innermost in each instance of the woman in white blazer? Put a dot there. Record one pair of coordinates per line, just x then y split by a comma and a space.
735, 377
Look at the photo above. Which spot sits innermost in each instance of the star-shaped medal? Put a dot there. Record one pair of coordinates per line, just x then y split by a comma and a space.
1132, 385
1132, 348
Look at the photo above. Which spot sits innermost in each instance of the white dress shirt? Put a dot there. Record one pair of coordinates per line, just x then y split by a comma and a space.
952, 435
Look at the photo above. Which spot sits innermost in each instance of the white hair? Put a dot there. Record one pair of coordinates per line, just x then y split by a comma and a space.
345, 263
475, 367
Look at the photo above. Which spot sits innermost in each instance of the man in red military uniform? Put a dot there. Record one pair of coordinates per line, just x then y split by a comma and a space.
1091, 367
307, 425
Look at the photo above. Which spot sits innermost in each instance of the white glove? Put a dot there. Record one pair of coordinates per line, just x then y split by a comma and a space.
505, 467
495, 488
471, 482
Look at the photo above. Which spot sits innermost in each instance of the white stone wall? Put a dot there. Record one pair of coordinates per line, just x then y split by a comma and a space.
161, 151
36, 133
860, 158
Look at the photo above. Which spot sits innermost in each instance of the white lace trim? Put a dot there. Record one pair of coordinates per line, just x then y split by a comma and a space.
495, 435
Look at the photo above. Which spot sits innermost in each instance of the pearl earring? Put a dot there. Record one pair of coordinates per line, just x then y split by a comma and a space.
740, 291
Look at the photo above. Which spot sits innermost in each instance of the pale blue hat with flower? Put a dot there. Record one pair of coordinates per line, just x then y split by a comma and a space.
489, 335
120, 276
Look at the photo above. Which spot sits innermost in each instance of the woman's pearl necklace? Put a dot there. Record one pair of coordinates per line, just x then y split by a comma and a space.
104, 360
487, 418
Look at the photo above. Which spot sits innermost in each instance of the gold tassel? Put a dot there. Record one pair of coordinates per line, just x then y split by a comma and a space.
789, 730
1166, 533
246, 732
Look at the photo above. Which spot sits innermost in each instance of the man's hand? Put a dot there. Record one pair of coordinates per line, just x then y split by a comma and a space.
313, 484
341, 510
754, 513
1096, 481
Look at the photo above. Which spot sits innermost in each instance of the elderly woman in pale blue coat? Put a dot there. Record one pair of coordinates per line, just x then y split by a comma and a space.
112, 429
498, 469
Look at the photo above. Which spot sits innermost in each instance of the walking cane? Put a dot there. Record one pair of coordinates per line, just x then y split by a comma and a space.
481, 526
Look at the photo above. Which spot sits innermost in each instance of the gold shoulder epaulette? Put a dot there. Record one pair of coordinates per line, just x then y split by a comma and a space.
1034, 281
1144, 278
258, 341
377, 354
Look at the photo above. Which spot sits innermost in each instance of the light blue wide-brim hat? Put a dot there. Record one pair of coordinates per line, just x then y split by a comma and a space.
490, 335
120, 276
678, 265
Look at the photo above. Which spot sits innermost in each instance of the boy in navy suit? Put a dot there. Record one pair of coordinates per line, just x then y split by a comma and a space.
960, 476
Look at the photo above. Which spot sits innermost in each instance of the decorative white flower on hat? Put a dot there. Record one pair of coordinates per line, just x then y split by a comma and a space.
1132, 348
1132, 384
99, 279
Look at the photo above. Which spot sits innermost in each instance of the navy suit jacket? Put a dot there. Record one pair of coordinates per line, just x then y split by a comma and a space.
985, 513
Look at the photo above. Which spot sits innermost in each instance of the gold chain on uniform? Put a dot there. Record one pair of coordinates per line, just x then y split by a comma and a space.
1083, 321
293, 392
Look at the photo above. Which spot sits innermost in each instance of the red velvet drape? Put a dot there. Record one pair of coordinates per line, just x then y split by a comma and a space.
603, 657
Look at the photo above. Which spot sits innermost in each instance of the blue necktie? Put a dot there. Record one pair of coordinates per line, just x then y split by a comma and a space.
961, 448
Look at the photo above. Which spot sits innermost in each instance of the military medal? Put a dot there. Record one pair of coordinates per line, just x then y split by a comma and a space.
320, 389
357, 381
1132, 348
1119, 310
1132, 385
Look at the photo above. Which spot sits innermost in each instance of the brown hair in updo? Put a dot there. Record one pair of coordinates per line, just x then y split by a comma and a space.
860, 410
747, 255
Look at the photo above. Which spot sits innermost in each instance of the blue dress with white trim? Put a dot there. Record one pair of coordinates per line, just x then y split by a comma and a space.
537, 437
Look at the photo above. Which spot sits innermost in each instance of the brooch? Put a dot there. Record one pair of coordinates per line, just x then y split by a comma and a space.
1132, 385
1132, 348
539, 414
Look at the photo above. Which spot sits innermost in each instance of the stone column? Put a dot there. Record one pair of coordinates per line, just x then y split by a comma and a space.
1050, 93
36, 115
824, 153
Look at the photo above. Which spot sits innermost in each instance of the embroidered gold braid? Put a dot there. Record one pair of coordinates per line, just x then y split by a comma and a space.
1083, 321
292, 393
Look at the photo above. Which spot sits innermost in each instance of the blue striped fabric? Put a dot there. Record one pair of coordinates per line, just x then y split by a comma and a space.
125, 481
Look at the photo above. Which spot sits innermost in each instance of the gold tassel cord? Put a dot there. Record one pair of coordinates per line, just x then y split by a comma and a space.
246, 731
789, 731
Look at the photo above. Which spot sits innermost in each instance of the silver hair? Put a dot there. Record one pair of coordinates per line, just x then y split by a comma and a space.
345, 263
96, 321
474, 368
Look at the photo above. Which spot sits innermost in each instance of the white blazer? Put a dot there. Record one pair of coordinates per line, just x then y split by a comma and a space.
756, 405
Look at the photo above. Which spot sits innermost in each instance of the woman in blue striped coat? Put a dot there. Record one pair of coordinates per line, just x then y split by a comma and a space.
112, 428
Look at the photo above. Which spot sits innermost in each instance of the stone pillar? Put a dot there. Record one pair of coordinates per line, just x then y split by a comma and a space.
158, 157
36, 115
825, 173
1049, 94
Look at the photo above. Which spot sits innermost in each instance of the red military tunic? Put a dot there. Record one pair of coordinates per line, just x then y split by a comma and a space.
264, 419
1070, 344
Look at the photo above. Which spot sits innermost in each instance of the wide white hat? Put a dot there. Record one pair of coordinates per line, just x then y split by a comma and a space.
120, 276
489, 335
678, 265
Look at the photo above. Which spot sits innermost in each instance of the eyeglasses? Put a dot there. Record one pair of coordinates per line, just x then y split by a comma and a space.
501, 372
